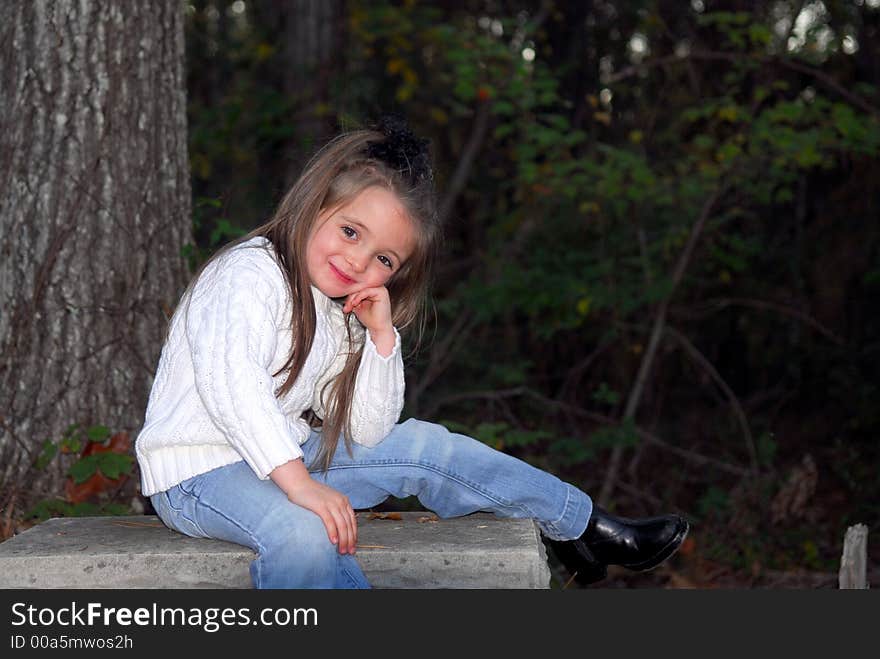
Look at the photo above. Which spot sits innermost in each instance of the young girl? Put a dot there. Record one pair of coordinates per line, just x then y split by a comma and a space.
288, 341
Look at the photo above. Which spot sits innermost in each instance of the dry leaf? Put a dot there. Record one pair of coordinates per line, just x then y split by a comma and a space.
681, 582
429, 518
393, 516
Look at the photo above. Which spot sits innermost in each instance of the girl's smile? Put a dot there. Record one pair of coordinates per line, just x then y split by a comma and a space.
360, 244
345, 279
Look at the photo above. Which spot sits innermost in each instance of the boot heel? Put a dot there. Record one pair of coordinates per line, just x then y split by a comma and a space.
590, 569
579, 560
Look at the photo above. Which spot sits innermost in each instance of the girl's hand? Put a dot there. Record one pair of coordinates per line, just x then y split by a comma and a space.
334, 510
330, 505
372, 306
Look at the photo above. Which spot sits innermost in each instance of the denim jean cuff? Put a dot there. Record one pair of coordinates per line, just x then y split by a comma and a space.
575, 515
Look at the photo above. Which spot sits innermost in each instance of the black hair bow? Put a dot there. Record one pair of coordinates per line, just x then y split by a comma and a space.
402, 150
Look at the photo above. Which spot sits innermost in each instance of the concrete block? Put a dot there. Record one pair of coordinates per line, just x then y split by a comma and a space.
415, 551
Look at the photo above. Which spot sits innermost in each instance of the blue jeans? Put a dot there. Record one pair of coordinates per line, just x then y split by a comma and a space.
451, 475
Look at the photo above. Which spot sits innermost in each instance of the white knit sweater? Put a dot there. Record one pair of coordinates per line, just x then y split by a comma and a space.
213, 398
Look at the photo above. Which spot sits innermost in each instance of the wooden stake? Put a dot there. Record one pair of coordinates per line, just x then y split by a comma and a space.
854, 561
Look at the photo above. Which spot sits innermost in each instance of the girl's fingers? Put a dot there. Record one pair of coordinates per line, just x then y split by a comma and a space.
352, 530
345, 544
371, 306
351, 521
330, 525
355, 299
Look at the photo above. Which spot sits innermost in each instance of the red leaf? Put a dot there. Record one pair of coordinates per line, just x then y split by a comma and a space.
98, 482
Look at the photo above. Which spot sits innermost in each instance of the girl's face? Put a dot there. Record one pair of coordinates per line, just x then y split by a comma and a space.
360, 244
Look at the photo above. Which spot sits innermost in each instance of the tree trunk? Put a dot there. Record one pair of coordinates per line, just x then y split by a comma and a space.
312, 40
94, 213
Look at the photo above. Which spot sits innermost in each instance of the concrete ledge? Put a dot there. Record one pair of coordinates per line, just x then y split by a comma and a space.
415, 551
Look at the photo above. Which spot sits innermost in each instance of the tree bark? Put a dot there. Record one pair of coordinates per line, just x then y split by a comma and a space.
94, 213
312, 42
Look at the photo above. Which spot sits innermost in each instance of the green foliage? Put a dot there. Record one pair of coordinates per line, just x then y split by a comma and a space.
75, 443
74, 440
606, 395
501, 435
220, 230
111, 465
49, 508
610, 436
573, 450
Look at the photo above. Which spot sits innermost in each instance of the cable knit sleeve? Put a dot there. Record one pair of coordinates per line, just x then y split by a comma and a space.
378, 393
231, 329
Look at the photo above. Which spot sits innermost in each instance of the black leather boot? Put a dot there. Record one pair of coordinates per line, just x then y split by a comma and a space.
636, 544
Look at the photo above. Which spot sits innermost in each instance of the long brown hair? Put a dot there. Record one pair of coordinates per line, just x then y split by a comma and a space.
335, 175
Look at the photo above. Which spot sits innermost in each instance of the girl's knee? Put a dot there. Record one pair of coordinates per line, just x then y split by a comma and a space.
299, 555
422, 440
433, 444
300, 551
418, 427
302, 533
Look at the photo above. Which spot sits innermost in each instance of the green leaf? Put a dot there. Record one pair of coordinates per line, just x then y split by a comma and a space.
503, 130
604, 394
225, 230
208, 201
48, 508
113, 465
71, 444
490, 433
504, 108
50, 450
760, 34
84, 509
84, 468
516, 437
98, 433
465, 90
612, 436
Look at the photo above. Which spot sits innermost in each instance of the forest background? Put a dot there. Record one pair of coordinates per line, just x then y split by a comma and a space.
662, 243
